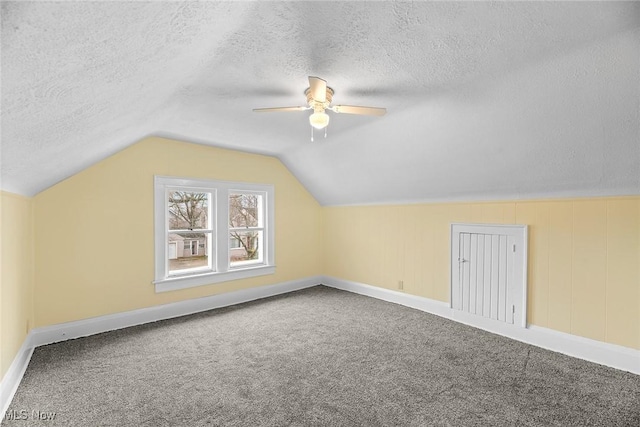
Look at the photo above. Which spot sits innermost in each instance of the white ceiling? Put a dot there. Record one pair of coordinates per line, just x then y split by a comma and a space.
485, 100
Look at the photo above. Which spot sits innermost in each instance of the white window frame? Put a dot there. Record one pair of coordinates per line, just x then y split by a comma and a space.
220, 270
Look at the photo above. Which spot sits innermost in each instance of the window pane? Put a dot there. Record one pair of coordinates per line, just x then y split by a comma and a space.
188, 250
188, 210
245, 210
245, 247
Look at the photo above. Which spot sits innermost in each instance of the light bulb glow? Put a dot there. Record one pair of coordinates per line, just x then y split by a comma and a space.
319, 120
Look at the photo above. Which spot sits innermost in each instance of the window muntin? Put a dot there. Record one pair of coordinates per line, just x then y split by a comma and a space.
211, 231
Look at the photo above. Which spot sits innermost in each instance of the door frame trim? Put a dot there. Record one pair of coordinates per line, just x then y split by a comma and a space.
519, 231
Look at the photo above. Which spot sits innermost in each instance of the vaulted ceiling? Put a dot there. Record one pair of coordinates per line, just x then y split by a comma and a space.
485, 100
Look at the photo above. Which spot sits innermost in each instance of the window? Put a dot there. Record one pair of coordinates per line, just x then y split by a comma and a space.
246, 228
189, 223
211, 231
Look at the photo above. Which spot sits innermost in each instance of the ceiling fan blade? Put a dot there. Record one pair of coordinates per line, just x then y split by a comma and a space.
318, 88
268, 110
354, 109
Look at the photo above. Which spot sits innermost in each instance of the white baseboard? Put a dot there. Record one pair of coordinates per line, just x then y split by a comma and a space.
111, 322
595, 351
14, 374
424, 304
611, 355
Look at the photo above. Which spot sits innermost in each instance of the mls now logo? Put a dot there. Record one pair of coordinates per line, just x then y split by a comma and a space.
42, 416
23, 414
12, 415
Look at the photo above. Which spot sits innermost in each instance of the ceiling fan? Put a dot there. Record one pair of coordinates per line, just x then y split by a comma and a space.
319, 97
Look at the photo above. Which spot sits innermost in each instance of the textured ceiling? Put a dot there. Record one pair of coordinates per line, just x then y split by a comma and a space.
485, 100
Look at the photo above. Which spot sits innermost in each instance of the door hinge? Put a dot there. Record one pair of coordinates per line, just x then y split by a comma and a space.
514, 247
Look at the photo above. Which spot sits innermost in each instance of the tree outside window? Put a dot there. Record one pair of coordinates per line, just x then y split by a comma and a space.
189, 230
245, 227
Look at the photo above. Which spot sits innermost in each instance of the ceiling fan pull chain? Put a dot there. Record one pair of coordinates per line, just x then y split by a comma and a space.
311, 133
325, 132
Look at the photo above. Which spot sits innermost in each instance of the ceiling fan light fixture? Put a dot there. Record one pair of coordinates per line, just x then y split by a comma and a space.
319, 120
319, 97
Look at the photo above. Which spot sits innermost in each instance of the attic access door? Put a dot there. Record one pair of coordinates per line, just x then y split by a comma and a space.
489, 271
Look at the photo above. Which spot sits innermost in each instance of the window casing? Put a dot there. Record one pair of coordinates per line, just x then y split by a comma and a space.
210, 231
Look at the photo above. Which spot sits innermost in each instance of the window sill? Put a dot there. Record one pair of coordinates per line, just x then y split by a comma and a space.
176, 283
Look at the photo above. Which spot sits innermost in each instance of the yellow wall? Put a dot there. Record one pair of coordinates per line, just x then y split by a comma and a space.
16, 275
84, 247
95, 245
584, 269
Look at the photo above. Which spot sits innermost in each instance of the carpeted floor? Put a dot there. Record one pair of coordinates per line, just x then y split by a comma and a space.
317, 357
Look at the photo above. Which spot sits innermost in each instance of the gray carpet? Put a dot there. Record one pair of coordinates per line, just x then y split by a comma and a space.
317, 357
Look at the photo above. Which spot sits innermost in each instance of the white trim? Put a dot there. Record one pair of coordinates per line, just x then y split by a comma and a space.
218, 238
95, 325
615, 356
560, 195
174, 283
423, 304
518, 290
110, 322
14, 374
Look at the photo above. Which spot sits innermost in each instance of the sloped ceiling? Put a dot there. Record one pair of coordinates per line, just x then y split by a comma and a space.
485, 100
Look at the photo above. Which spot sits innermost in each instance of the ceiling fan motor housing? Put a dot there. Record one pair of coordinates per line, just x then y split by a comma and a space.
319, 105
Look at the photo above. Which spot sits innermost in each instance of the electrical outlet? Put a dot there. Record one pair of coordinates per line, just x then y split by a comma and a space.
401, 284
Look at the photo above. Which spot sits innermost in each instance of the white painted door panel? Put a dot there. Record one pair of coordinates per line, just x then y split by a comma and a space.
479, 291
488, 265
495, 276
473, 273
489, 280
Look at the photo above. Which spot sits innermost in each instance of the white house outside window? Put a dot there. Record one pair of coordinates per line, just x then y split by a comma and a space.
211, 231
190, 224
